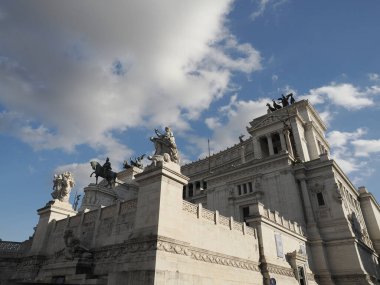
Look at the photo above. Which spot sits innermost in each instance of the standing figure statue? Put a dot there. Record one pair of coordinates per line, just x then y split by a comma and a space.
62, 185
284, 100
290, 98
166, 148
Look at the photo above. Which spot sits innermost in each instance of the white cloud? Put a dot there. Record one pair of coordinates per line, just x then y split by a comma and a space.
74, 75
341, 139
345, 95
326, 116
374, 76
366, 147
263, 5
341, 149
237, 115
213, 123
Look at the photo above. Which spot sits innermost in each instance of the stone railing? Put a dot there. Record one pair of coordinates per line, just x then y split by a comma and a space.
199, 212
274, 216
11, 248
115, 219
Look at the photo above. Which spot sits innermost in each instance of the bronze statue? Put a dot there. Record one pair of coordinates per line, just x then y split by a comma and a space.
290, 98
270, 108
137, 162
284, 101
104, 172
275, 105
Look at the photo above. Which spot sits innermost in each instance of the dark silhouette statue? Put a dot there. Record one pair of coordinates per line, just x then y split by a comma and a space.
104, 171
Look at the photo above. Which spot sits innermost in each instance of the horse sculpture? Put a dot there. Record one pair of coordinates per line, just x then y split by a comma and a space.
108, 175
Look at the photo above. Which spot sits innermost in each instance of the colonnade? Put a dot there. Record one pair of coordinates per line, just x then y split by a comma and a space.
273, 143
193, 188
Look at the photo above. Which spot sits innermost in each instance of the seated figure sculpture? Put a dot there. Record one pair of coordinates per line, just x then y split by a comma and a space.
166, 148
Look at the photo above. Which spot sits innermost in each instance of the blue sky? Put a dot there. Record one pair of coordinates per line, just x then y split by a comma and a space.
90, 79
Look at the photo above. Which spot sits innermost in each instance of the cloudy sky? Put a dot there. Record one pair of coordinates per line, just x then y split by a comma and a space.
83, 80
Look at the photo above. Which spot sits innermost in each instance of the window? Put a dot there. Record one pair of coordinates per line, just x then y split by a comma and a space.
276, 142
204, 185
245, 212
321, 200
184, 192
190, 190
301, 276
197, 185
244, 188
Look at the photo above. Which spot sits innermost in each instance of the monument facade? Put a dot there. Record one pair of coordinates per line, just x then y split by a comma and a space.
272, 209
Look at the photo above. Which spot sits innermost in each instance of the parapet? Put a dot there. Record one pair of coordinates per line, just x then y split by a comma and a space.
258, 210
214, 217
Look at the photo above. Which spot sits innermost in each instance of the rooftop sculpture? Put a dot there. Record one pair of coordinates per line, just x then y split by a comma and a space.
284, 101
166, 148
137, 162
62, 185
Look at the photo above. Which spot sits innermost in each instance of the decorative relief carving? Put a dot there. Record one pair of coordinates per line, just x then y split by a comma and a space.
280, 270
163, 244
210, 257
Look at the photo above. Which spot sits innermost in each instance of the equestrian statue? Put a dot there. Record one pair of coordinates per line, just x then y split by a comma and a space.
104, 171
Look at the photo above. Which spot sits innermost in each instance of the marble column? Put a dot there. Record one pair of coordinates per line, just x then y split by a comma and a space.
288, 143
242, 154
270, 144
282, 141
256, 147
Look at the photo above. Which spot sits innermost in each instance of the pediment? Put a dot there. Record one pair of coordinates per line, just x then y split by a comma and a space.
265, 122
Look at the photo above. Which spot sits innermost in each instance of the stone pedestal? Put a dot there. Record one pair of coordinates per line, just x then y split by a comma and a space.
54, 210
160, 200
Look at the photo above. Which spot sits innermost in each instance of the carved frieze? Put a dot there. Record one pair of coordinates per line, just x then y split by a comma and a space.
171, 246
275, 269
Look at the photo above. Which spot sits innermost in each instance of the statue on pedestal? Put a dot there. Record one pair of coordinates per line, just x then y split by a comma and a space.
62, 185
166, 148
104, 171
